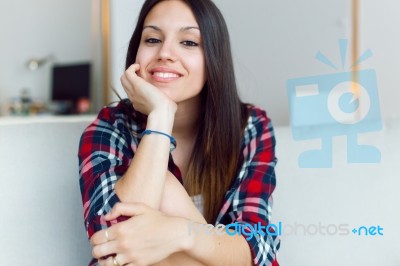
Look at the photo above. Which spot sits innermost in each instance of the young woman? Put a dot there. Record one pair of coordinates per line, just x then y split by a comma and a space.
148, 202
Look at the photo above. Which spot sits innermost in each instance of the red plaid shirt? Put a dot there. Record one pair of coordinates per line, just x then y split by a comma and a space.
108, 145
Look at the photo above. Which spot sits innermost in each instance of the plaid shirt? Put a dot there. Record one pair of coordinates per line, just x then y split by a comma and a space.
108, 145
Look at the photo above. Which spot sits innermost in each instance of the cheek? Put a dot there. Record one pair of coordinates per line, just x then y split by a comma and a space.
201, 76
142, 58
197, 66
140, 55
145, 53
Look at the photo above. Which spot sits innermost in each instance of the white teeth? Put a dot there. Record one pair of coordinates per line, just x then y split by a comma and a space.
165, 75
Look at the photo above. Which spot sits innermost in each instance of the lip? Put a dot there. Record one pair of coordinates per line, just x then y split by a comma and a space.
167, 70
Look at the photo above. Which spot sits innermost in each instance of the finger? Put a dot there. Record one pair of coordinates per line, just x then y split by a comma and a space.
125, 83
106, 262
131, 72
101, 237
126, 209
134, 67
119, 260
130, 78
105, 249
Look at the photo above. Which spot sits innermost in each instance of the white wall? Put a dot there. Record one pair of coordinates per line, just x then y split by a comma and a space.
37, 28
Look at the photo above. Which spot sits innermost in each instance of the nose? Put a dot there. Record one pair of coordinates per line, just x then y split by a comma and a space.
167, 52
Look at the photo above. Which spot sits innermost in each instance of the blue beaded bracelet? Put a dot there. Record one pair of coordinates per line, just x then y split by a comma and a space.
171, 138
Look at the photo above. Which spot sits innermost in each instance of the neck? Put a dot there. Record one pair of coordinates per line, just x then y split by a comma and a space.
187, 119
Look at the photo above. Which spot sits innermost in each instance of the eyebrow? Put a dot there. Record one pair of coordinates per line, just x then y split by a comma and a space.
181, 29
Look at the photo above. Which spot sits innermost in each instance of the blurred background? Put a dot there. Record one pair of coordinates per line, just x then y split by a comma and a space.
46, 42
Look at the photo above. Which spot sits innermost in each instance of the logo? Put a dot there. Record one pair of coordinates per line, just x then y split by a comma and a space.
283, 230
368, 230
345, 103
246, 229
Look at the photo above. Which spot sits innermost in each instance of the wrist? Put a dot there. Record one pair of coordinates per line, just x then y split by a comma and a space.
187, 237
161, 120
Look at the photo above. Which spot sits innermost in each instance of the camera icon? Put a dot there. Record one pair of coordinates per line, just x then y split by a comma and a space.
332, 105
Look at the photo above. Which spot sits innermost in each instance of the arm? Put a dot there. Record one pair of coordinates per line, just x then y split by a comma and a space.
252, 200
104, 155
145, 177
214, 247
144, 180
108, 172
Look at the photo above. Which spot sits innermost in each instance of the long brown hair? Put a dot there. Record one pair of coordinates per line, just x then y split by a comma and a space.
216, 155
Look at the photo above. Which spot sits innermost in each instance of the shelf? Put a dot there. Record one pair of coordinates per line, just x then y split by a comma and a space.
12, 120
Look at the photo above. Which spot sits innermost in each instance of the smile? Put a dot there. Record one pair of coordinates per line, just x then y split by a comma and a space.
165, 75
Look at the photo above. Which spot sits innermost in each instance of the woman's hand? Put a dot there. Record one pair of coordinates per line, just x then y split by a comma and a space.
146, 238
145, 97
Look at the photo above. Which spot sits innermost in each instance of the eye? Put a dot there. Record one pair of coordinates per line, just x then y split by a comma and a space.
189, 43
152, 40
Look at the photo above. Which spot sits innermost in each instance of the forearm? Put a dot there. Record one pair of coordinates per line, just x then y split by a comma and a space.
179, 258
206, 245
222, 249
177, 203
145, 177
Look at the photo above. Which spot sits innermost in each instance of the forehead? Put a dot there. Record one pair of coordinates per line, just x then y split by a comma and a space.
171, 13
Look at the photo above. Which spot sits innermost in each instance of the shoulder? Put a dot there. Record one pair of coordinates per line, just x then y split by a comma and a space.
115, 128
258, 124
121, 113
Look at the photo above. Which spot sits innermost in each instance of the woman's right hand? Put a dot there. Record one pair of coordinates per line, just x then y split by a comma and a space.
145, 97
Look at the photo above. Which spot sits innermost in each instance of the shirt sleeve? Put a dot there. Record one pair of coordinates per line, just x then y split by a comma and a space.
252, 200
104, 156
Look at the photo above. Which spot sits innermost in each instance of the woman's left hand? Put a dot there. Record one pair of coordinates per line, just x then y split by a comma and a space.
146, 238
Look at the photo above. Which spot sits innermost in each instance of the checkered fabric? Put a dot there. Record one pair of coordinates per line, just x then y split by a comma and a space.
108, 145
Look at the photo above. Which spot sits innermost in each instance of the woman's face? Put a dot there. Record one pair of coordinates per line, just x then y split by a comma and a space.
170, 53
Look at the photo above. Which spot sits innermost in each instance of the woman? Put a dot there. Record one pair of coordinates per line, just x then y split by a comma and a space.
144, 202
